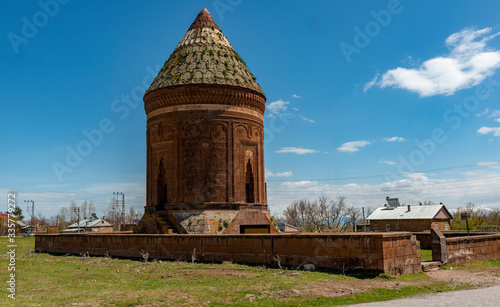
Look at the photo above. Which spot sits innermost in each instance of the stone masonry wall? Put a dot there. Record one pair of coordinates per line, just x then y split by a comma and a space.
409, 225
473, 248
425, 237
397, 253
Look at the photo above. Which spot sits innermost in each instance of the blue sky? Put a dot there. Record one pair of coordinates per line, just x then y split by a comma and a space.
365, 99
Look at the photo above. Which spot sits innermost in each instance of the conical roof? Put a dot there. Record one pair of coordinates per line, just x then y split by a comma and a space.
204, 56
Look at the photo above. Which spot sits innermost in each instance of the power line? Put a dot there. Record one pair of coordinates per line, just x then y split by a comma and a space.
378, 176
368, 191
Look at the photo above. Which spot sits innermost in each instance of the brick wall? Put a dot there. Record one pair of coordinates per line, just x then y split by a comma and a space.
397, 253
409, 225
473, 248
425, 237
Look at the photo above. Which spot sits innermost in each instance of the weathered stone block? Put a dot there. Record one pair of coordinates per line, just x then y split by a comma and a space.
345, 252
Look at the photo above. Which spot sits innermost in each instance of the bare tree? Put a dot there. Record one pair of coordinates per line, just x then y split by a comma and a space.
337, 212
113, 215
73, 208
301, 206
313, 223
91, 208
353, 214
133, 216
323, 211
41, 219
469, 206
292, 214
63, 218
322, 214
368, 211
428, 203
84, 208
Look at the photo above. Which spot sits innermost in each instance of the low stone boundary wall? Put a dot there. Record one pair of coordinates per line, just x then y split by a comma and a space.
425, 236
397, 253
473, 248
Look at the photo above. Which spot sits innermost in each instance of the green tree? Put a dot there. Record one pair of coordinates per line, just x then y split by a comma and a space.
480, 219
18, 212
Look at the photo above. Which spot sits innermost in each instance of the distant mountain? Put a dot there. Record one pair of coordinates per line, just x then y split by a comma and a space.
477, 209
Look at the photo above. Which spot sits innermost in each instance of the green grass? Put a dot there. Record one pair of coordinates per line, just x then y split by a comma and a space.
55, 280
426, 255
480, 265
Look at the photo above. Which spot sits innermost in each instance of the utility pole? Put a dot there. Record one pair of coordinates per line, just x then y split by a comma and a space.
364, 221
32, 213
78, 210
122, 202
466, 216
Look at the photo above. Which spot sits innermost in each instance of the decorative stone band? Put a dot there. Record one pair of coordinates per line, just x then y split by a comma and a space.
203, 94
205, 107
213, 206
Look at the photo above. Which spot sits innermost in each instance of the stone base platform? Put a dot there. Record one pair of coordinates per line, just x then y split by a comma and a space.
208, 218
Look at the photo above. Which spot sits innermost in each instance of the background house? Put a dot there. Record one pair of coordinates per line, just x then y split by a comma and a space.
394, 217
4, 223
287, 228
93, 224
43, 228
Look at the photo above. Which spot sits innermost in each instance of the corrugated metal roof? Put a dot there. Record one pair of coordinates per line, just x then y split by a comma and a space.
402, 213
89, 223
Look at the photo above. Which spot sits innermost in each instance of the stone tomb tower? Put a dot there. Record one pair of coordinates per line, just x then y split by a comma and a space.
205, 152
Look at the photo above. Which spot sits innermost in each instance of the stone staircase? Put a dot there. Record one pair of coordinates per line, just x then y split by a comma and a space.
155, 223
429, 266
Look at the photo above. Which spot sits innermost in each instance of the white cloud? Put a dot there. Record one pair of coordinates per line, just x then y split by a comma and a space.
371, 83
388, 162
486, 163
280, 107
485, 112
283, 174
307, 119
353, 146
296, 96
487, 130
277, 108
496, 115
467, 64
410, 188
296, 150
394, 139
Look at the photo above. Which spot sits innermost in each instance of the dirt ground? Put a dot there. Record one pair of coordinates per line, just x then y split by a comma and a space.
479, 277
470, 276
